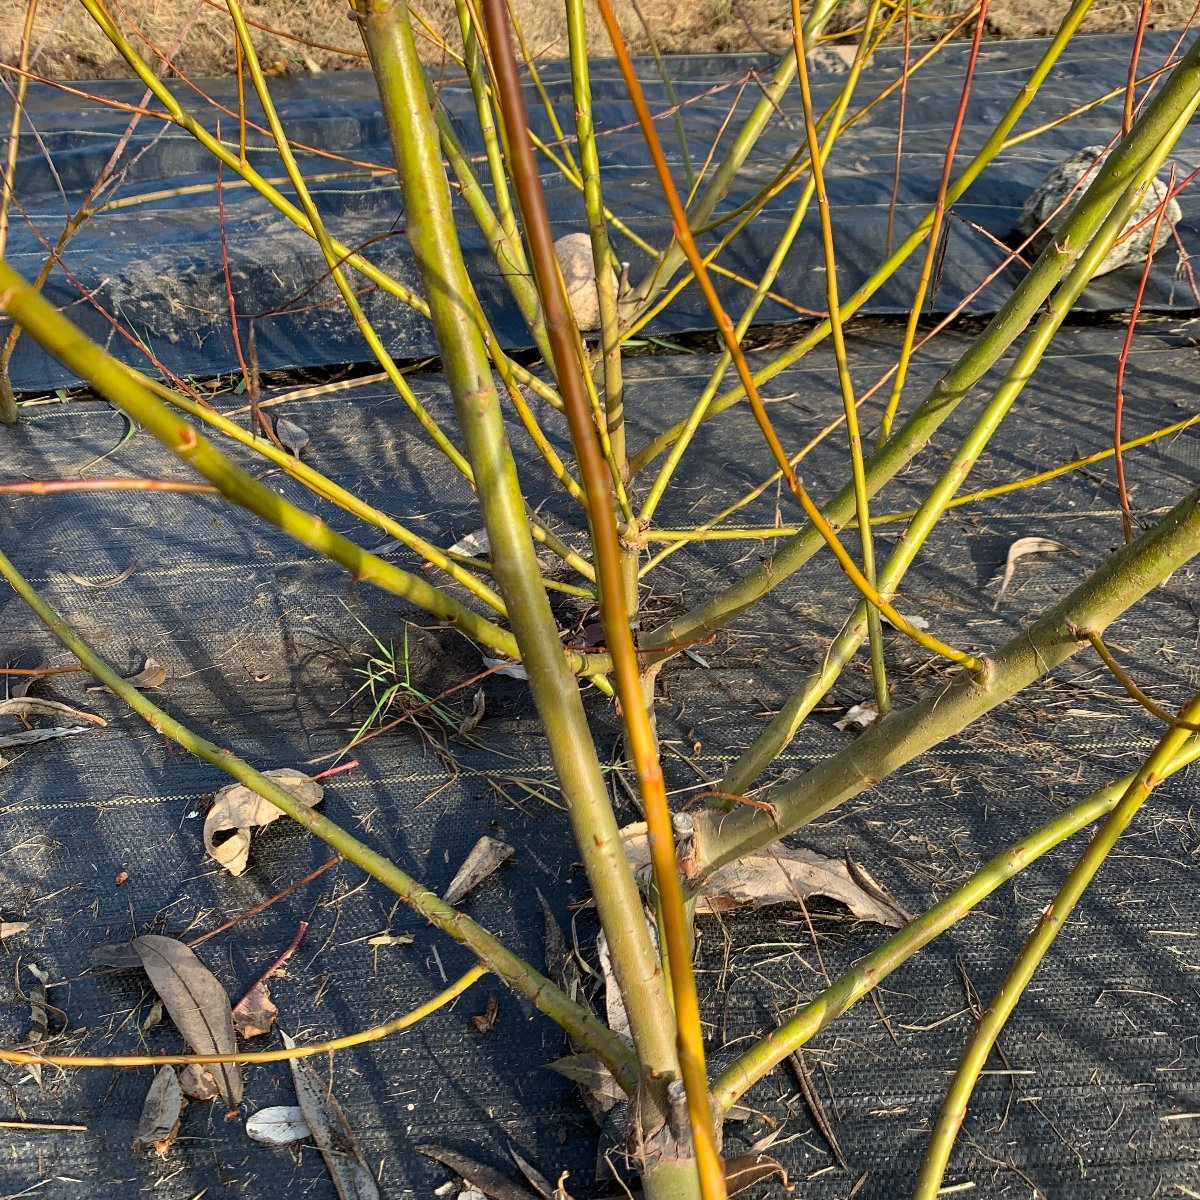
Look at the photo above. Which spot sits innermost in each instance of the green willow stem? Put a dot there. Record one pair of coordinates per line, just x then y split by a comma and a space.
114, 382
324, 487
987, 152
614, 615
954, 1109
1177, 98
518, 974
1123, 580
862, 510
934, 238
778, 256
683, 236
870, 971
386, 29
783, 726
8, 399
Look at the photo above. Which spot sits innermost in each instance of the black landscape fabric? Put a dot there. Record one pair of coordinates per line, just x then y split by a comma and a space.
148, 267
100, 833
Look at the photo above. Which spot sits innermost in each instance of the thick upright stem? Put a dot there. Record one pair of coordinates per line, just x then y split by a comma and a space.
387, 32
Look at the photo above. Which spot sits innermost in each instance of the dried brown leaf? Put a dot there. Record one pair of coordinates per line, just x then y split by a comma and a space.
198, 1082
154, 1017
12, 928
197, 1003
25, 705
238, 809
101, 584
484, 1022
332, 1133
479, 1175
485, 858
537, 1180
158, 1125
471, 723
745, 1172
254, 1014
1019, 550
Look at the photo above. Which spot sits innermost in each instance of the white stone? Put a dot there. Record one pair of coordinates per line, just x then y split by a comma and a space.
1049, 194
575, 258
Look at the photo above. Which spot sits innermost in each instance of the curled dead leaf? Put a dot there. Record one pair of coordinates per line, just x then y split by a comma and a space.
238, 809
860, 716
198, 1082
485, 859
255, 1013
1019, 550
158, 1125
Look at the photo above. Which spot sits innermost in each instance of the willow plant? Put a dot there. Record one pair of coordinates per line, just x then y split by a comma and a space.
504, 605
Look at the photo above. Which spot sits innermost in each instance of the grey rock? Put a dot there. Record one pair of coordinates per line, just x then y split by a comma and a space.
1049, 195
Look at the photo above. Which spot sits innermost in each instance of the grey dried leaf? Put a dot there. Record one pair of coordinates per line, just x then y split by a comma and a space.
473, 545
279, 1125
119, 957
485, 858
1017, 551
158, 1125
198, 1082
241, 810
859, 716
502, 666
471, 723
332, 1133
294, 437
197, 1003
479, 1175
537, 1180
776, 875
29, 737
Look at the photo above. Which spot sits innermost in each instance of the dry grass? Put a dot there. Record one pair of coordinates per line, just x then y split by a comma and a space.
320, 34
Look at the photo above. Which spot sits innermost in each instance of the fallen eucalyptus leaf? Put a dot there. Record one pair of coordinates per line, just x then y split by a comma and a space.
474, 544
197, 1003
745, 1172
279, 1125
1017, 551
39, 1011
537, 1180
859, 715
158, 1125
332, 1133
29, 737
12, 928
119, 957
24, 705
776, 875
238, 808
101, 584
479, 1175
152, 675
198, 1082
485, 859
294, 437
